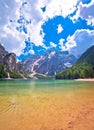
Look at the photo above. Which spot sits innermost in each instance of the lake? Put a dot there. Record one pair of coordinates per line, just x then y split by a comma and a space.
46, 105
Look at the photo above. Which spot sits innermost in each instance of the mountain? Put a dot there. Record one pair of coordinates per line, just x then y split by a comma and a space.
40, 66
50, 63
8, 65
83, 68
9, 61
87, 57
3, 53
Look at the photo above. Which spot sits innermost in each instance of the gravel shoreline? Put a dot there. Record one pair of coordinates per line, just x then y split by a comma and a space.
91, 79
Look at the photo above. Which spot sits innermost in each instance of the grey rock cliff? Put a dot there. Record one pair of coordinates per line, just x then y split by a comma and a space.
49, 64
8, 60
3, 53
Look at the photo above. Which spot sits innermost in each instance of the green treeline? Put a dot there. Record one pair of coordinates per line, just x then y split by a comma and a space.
13, 74
83, 68
77, 71
3, 74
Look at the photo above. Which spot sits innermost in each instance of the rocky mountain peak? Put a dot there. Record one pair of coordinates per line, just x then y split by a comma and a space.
11, 69
3, 53
50, 63
10, 61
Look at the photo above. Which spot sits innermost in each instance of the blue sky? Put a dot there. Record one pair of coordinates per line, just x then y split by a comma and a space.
30, 27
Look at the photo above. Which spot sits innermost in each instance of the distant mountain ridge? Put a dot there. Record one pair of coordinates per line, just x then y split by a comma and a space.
50, 63
83, 68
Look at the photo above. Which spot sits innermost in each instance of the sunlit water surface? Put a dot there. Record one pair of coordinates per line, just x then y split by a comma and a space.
46, 105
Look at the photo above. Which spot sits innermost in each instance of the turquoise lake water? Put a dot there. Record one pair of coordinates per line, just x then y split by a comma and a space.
24, 86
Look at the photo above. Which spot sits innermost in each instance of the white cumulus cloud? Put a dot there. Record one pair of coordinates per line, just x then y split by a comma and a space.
31, 11
34, 17
59, 28
80, 41
52, 44
59, 7
86, 12
62, 45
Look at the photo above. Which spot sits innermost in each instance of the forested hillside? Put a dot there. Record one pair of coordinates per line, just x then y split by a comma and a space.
83, 68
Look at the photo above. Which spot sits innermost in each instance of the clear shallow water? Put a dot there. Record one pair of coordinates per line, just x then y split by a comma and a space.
8, 87
46, 105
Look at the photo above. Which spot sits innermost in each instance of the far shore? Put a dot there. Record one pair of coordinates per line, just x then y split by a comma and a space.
90, 79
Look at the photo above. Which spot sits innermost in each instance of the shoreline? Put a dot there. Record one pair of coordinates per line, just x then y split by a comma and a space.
90, 79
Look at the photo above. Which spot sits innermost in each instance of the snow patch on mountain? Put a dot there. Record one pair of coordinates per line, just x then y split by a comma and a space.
67, 64
51, 54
